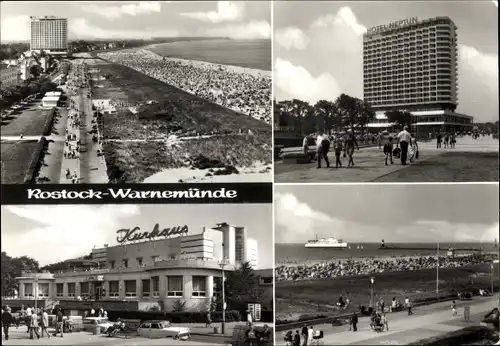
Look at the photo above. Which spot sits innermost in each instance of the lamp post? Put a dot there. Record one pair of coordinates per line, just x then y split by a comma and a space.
36, 294
222, 264
372, 281
437, 272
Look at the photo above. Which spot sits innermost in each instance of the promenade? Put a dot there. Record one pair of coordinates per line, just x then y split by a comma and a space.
471, 161
427, 321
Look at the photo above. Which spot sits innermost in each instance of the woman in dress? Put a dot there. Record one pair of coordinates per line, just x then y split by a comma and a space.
350, 144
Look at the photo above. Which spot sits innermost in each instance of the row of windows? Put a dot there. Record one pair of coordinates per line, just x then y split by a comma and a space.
175, 288
139, 261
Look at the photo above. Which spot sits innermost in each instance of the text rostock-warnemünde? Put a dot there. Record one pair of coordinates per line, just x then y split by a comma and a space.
191, 193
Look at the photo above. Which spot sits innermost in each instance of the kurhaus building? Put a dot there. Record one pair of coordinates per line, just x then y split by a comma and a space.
148, 268
412, 66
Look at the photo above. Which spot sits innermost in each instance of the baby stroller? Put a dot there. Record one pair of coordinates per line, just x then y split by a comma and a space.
317, 338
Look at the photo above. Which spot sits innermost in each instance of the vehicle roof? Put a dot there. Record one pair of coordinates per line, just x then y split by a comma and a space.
155, 321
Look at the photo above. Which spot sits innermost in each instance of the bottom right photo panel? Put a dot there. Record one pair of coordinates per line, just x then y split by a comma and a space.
387, 264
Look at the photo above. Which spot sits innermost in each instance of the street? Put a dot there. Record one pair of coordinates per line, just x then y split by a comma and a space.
427, 321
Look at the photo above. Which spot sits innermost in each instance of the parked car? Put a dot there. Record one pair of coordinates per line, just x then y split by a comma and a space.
89, 324
162, 329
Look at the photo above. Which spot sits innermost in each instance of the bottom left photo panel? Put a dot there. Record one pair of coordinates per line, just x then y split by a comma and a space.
197, 274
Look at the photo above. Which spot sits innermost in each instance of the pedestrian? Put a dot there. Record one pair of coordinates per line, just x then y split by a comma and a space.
45, 323
454, 308
350, 143
310, 334
208, 320
322, 148
408, 306
385, 322
354, 322
388, 148
296, 339
59, 323
439, 140
446, 140
29, 312
453, 140
404, 140
305, 334
249, 317
338, 146
382, 305
414, 150
7, 320
305, 145
33, 326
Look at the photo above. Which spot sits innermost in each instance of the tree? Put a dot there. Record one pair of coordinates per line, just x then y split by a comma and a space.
398, 117
365, 114
12, 267
328, 115
302, 110
47, 86
241, 288
35, 71
348, 109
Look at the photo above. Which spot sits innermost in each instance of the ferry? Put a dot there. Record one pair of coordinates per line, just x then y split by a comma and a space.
326, 243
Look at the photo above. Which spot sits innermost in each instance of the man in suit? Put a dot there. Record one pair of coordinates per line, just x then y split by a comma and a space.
304, 334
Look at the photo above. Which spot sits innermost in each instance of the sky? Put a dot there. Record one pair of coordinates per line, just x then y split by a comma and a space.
396, 213
318, 48
51, 234
142, 19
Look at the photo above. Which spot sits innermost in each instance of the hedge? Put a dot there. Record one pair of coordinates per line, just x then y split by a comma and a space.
36, 161
49, 122
174, 317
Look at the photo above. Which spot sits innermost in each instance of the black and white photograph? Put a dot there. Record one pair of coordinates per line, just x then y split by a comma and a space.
137, 274
385, 91
136, 92
387, 264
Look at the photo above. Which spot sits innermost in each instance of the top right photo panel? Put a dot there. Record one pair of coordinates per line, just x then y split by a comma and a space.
385, 91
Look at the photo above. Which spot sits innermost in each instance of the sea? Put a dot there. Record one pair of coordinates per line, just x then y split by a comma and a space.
298, 253
255, 54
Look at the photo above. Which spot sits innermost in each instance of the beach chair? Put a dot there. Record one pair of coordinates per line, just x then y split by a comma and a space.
317, 338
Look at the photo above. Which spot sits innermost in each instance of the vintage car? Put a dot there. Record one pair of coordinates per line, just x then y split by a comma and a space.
89, 324
162, 329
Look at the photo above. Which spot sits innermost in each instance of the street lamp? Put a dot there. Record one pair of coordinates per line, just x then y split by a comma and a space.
372, 281
222, 264
36, 294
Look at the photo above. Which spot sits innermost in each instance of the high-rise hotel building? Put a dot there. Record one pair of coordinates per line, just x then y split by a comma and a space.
412, 66
49, 34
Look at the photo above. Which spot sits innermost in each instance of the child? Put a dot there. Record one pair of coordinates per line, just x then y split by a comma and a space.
454, 308
388, 147
338, 152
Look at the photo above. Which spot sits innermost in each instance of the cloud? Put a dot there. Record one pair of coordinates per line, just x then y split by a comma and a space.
227, 11
291, 37
80, 28
66, 231
299, 222
457, 232
250, 31
15, 28
484, 65
113, 12
297, 82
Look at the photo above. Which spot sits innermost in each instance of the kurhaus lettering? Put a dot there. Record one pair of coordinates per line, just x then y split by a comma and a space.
397, 24
135, 234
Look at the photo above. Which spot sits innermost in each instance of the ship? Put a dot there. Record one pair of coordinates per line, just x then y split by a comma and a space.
326, 243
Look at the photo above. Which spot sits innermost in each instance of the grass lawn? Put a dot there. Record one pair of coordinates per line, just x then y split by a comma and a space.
130, 162
30, 122
419, 285
16, 158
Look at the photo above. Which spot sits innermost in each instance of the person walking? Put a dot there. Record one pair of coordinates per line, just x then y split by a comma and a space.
208, 320
45, 323
296, 339
27, 317
350, 144
454, 308
404, 139
385, 322
33, 326
322, 148
305, 334
338, 146
59, 323
7, 320
408, 305
354, 322
305, 145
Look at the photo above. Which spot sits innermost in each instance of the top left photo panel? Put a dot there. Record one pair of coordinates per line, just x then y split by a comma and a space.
135, 92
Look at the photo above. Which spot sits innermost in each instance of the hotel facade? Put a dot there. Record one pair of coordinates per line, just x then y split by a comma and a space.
49, 34
412, 66
140, 274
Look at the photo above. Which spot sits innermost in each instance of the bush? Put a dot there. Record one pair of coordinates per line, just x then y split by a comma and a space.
174, 317
36, 161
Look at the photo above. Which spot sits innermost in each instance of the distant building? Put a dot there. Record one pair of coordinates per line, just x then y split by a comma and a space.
49, 34
9, 75
411, 65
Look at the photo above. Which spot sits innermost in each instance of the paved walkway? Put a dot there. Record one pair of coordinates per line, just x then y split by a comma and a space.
427, 321
479, 157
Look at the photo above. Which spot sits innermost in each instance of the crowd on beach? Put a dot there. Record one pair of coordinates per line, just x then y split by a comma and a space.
353, 267
244, 91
